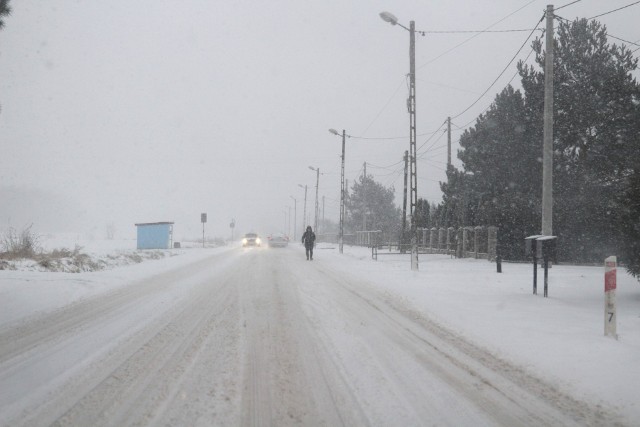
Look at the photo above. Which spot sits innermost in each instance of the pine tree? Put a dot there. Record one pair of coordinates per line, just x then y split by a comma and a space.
5, 10
595, 136
372, 205
500, 161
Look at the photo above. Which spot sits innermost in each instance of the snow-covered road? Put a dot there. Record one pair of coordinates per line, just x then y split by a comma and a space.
262, 337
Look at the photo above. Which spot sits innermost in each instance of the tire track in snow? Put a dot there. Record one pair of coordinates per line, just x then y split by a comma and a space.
124, 320
508, 394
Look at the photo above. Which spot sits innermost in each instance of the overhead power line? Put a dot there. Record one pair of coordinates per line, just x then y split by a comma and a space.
568, 4
502, 72
384, 107
615, 10
463, 127
381, 138
622, 40
474, 36
472, 31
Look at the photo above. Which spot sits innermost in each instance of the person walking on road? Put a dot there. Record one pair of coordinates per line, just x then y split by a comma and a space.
309, 239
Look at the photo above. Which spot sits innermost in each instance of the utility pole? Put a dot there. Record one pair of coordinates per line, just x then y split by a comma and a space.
547, 151
411, 102
321, 222
295, 217
342, 189
448, 141
346, 187
404, 204
364, 198
317, 189
304, 214
315, 224
412, 144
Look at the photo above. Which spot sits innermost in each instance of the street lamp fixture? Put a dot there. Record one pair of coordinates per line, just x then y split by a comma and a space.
411, 102
389, 17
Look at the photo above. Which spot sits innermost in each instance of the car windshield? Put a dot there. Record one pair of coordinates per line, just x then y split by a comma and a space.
251, 235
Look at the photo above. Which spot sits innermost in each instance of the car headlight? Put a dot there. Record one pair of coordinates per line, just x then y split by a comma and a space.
258, 241
244, 241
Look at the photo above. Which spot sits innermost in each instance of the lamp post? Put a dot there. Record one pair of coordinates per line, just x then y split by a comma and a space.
315, 221
388, 17
341, 237
304, 214
295, 216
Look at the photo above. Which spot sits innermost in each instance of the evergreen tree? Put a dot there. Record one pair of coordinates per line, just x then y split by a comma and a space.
596, 119
499, 185
371, 205
422, 214
5, 10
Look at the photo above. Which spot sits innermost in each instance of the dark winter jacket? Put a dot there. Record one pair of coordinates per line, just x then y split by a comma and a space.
308, 238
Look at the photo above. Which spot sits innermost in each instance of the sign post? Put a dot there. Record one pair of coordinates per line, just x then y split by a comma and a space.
610, 284
203, 219
530, 248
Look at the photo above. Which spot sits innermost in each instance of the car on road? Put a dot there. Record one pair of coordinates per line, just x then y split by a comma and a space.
278, 240
251, 239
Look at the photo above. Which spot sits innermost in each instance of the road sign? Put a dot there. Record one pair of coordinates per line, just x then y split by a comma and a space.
203, 218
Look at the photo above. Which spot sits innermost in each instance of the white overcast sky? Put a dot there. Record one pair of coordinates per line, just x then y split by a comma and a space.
128, 111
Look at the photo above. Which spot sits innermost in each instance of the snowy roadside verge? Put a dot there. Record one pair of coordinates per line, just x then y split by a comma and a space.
73, 254
28, 289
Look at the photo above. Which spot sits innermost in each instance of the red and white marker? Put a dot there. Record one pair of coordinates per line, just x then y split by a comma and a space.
610, 321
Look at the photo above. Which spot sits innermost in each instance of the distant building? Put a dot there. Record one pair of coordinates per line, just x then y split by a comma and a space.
155, 235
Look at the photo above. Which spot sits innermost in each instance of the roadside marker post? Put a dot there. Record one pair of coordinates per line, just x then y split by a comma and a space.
610, 284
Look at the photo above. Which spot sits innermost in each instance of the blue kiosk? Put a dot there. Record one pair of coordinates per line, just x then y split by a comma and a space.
155, 235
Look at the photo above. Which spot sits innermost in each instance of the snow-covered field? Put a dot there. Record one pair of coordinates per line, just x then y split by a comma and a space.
559, 339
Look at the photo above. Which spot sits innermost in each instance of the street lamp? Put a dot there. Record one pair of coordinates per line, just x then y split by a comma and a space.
317, 186
388, 17
341, 238
304, 214
295, 216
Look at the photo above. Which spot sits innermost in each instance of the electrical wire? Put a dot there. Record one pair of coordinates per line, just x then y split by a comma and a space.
384, 138
431, 137
568, 4
428, 150
472, 31
489, 106
474, 36
502, 72
384, 107
465, 126
434, 166
384, 167
622, 40
398, 174
615, 10
404, 80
